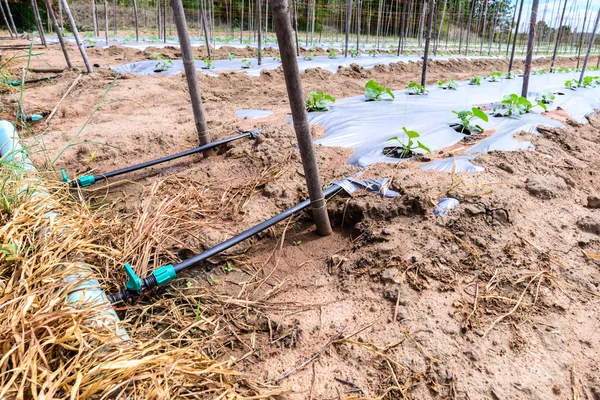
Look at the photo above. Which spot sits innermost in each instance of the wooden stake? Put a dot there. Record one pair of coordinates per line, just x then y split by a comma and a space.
38, 21
190, 72
348, 17
5, 20
530, 45
135, 20
587, 7
10, 17
512, 53
587, 55
94, 17
86, 61
105, 21
431, 5
203, 21
558, 36
259, 54
283, 29
58, 33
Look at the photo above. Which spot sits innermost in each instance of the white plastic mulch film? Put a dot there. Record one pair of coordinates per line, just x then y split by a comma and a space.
367, 126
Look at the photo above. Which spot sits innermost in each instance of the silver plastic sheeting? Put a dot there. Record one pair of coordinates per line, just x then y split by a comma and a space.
253, 114
379, 186
368, 126
445, 205
453, 164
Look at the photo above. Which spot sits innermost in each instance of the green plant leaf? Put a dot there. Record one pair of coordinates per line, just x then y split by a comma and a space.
539, 103
388, 91
422, 146
480, 114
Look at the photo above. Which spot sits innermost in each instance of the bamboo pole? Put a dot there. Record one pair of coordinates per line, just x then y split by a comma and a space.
296, 26
105, 22
204, 27
512, 54
86, 61
348, 18
530, 45
582, 32
558, 36
242, 24
94, 17
587, 55
469, 27
283, 29
431, 5
10, 17
135, 20
439, 35
58, 33
38, 21
5, 20
358, 22
259, 25
190, 72
115, 17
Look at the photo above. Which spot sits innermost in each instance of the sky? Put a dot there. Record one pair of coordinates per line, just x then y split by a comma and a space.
574, 16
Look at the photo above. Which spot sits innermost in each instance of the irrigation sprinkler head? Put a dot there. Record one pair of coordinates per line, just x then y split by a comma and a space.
135, 285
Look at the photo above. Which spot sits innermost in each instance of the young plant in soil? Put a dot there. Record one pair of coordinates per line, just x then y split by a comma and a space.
277, 58
333, 53
354, 53
415, 89
163, 63
476, 80
310, 56
590, 81
540, 71
246, 63
448, 84
510, 75
319, 101
374, 91
405, 150
208, 64
465, 117
496, 77
572, 84
545, 98
513, 104
373, 53
230, 56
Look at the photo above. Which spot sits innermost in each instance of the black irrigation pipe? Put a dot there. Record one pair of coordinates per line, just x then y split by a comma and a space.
163, 275
88, 180
18, 83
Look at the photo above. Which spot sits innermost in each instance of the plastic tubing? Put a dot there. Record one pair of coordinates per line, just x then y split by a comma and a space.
151, 281
88, 180
87, 293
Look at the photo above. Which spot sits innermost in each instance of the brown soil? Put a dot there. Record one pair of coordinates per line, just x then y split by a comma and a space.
495, 300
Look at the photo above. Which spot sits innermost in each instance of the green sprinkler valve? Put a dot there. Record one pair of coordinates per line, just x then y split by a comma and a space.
33, 118
164, 275
65, 178
134, 282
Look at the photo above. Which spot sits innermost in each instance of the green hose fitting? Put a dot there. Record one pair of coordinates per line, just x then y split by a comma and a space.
65, 178
164, 275
86, 180
134, 282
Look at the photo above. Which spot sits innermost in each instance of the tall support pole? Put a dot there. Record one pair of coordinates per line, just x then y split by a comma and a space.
439, 34
358, 15
190, 72
10, 17
348, 18
58, 33
78, 40
587, 7
558, 36
94, 17
106, 22
259, 28
512, 53
242, 24
469, 27
38, 21
485, 15
510, 28
587, 55
203, 21
283, 29
115, 17
296, 27
135, 20
5, 20
431, 6
530, 45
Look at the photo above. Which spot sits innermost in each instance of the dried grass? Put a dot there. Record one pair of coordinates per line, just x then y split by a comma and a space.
49, 348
